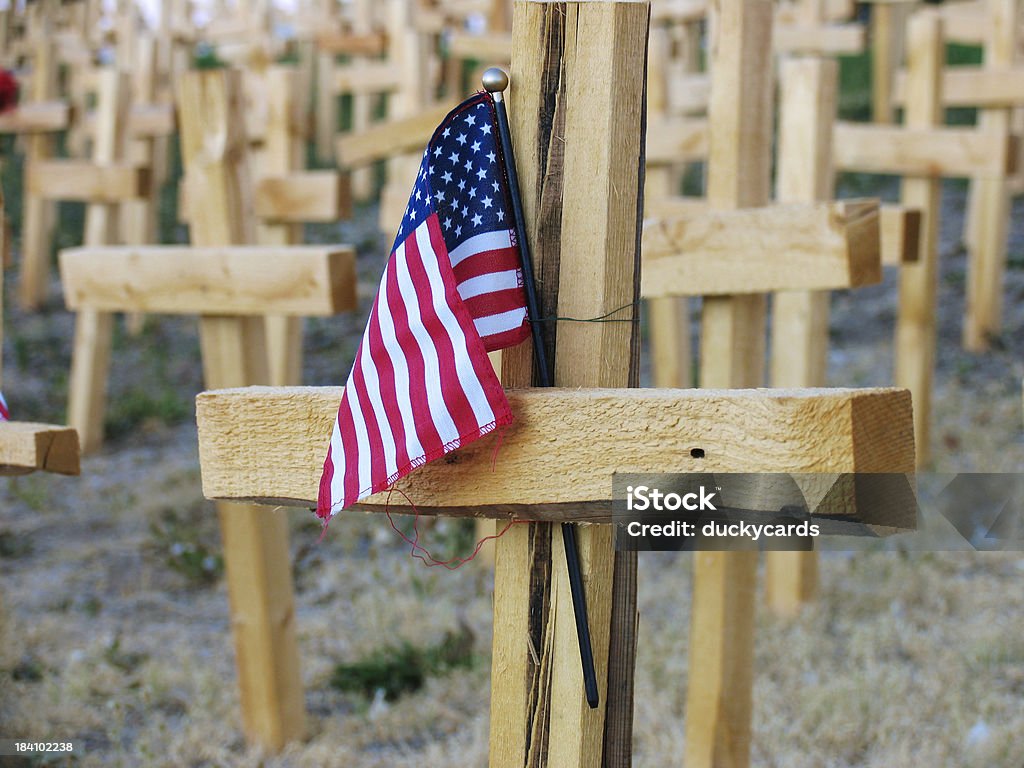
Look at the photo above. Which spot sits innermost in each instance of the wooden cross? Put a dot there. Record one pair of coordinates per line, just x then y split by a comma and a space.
231, 287
285, 195
582, 193
40, 116
923, 152
25, 446
995, 88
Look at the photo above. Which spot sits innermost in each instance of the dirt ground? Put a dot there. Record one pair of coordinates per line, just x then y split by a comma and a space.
114, 618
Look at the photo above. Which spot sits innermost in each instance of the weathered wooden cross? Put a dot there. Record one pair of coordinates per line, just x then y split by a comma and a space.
231, 286
25, 446
577, 108
40, 116
995, 88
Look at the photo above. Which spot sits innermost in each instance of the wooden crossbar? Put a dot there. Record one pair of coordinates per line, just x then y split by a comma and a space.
779, 247
560, 434
26, 447
380, 142
908, 151
227, 281
352, 44
37, 117
973, 87
86, 181
303, 196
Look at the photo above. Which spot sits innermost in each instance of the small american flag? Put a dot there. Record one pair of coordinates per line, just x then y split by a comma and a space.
5, 415
421, 384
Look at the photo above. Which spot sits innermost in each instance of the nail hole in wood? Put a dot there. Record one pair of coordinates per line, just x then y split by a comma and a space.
697, 453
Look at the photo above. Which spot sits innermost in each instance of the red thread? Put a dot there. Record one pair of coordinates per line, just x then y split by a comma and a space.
497, 446
416, 548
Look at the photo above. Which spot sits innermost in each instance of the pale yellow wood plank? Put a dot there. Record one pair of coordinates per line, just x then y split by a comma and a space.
303, 196
236, 280
36, 117
915, 325
27, 447
90, 357
855, 430
215, 156
396, 137
916, 150
781, 247
972, 86
987, 246
36, 211
87, 182
833, 39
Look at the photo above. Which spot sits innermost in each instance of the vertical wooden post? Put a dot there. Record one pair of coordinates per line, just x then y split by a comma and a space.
668, 320
37, 212
406, 51
215, 158
90, 361
281, 154
721, 654
888, 23
915, 326
800, 318
990, 195
362, 104
576, 105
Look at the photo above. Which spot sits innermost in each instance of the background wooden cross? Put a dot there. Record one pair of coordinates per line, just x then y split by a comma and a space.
231, 288
25, 446
995, 88
582, 196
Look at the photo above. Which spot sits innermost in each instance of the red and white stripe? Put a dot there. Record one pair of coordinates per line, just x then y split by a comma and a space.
421, 384
5, 415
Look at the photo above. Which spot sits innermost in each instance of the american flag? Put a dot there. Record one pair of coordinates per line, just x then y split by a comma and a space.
421, 385
5, 415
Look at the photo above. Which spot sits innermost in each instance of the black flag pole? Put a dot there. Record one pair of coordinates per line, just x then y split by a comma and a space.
495, 81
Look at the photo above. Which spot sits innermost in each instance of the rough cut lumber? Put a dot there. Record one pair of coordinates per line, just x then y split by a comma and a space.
86, 182
566, 431
215, 157
916, 323
303, 196
827, 38
732, 354
397, 137
490, 47
974, 87
920, 151
39, 117
989, 207
352, 44
144, 121
576, 106
780, 247
27, 447
237, 280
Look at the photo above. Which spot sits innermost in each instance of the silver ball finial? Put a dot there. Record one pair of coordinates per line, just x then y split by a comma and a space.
495, 80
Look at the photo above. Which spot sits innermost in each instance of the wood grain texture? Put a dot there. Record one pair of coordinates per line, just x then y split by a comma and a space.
832, 39
216, 162
303, 197
565, 431
986, 247
397, 137
781, 247
90, 357
83, 181
672, 140
580, 179
239, 280
26, 447
915, 325
920, 151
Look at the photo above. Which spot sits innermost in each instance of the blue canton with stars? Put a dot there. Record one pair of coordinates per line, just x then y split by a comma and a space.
461, 177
